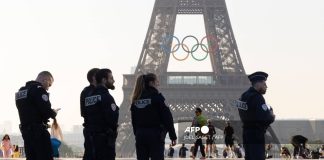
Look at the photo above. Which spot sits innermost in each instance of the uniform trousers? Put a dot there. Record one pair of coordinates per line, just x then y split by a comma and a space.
99, 145
149, 143
37, 142
254, 144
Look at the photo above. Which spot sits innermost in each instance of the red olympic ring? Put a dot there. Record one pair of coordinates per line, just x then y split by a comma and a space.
209, 38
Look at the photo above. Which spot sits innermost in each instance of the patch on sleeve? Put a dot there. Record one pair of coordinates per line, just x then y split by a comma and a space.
142, 103
45, 97
113, 106
265, 107
241, 105
89, 101
21, 94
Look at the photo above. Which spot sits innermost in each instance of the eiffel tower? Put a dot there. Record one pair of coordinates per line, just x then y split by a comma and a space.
214, 91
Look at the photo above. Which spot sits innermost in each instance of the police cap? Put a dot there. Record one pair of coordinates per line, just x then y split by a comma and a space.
258, 76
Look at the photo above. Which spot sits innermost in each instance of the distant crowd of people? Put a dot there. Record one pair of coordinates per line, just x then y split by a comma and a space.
7, 149
228, 152
238, 152
301, 150
209, 150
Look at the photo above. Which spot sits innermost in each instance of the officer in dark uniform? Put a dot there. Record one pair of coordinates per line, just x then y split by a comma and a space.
151, 119
256, 116
101, 118
34, 109
86, 92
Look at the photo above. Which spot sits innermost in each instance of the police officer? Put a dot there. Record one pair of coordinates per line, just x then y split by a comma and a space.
86, 92
256, 116
151, 119
34, 108
101, 118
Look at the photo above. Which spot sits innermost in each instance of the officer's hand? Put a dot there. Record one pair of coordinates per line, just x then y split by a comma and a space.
56, 110
48, 126
173, 142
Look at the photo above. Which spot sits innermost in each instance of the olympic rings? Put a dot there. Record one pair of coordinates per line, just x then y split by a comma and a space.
211, 39
197, 42
211, 42
192, 53
179, 59
166, 40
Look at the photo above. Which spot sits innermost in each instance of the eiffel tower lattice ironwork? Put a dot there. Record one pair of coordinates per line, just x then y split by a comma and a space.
214, 91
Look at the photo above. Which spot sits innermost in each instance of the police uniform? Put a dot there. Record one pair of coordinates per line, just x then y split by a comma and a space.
256, 116
100, 121
86, 92
34, 109
151, 120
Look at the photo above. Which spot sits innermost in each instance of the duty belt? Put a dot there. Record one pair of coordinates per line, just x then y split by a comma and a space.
31, 125
99, 130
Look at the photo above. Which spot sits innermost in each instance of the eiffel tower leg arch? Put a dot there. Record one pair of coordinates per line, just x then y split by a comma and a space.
214, 91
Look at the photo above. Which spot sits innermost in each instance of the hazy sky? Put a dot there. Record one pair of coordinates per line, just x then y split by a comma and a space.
68, 37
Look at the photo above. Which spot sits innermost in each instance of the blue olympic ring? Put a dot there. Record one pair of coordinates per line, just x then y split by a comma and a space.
169, 38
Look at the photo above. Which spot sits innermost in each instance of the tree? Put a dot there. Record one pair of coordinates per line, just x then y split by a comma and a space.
65, 150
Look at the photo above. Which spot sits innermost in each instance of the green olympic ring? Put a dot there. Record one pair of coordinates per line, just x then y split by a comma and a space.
192, 53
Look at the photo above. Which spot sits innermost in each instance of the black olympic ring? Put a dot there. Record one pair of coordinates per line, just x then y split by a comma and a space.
168, 39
